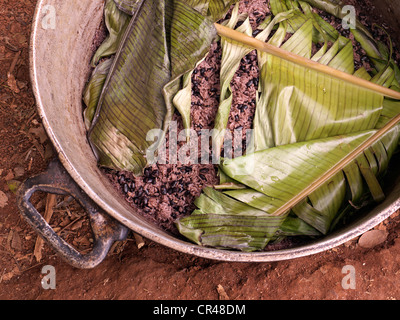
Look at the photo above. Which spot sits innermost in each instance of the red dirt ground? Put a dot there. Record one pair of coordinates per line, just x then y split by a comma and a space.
153, 271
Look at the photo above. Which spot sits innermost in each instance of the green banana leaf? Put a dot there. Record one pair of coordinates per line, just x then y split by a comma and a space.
93, 90
116, 22
128, 6
163, 41
230, 232
215, 9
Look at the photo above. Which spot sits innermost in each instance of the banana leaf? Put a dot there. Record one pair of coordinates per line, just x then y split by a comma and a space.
116, 22
93, 90
215, 9
306, 122
376, 50
163, 41
128, 6
230, 232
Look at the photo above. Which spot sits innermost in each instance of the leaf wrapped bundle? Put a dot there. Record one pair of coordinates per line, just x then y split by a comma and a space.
305, 123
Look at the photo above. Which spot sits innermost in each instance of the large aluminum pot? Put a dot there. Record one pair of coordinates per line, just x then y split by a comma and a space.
61, 48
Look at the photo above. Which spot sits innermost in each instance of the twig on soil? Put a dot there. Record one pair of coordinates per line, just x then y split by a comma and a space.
4, 271
11, 81
14, 62
35, 143
139, 240
222, 293
71, 223
50, 203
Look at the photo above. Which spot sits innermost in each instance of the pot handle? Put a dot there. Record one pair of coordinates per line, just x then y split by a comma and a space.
56, 180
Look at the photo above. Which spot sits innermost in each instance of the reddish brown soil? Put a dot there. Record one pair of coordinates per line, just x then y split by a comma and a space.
153, 271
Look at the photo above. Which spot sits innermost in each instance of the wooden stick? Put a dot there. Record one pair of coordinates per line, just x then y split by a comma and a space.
139, 240
339, 166
51, 200
286, 55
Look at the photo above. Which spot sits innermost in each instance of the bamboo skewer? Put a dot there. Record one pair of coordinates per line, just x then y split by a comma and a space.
286, 55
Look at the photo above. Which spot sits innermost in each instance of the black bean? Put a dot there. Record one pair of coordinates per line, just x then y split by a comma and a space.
239, 24
256, 32
147, 172
204, 170
121, 179
249, 83
163, 190
202, 176
236, 117
126, 188
145, 201
132, 187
